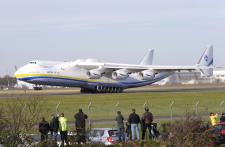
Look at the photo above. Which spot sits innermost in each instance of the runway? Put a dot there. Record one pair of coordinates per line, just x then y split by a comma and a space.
178, 88
17, 93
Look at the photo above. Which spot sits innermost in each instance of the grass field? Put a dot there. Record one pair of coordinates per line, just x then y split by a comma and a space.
104, 106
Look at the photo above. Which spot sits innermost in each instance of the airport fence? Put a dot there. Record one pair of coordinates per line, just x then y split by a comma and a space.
104, 115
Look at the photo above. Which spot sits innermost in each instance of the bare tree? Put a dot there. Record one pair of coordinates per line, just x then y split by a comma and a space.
20, 118
188, 132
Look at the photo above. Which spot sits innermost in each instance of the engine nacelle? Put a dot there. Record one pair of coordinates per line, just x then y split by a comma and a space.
120, 74
94, 74
147, 75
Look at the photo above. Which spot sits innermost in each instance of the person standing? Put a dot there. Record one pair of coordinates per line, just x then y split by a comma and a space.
213, 118
134, 120
147, 119
44, 129
63, 129
54, 127
119, 119
80, 118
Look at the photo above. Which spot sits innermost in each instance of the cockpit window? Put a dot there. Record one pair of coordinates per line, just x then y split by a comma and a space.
33, 62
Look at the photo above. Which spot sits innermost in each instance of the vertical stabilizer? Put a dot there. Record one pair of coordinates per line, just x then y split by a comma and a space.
148, 58
205, 63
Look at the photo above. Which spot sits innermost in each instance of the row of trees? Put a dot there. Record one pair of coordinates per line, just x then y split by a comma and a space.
7, 81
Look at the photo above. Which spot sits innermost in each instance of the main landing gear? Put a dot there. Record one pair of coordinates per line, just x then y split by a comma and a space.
102, 89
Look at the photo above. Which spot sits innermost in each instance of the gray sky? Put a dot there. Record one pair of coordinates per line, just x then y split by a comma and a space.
110, 30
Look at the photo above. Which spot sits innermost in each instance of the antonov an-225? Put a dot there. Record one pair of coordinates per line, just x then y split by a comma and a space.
94, 76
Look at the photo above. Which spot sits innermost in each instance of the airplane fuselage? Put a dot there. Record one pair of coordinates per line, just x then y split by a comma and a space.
67, 75
94, 76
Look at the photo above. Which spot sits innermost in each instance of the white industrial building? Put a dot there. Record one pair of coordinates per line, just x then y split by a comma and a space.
24, 85
195, 78
219, 75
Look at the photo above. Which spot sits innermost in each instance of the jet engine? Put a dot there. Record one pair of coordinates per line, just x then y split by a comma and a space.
120, 74
95, 73
147, 75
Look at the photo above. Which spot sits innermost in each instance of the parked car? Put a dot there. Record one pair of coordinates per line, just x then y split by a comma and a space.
217, 133
107, 136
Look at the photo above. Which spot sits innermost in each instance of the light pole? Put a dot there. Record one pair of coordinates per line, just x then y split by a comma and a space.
89, 112
221, 106
171, 110
196, 108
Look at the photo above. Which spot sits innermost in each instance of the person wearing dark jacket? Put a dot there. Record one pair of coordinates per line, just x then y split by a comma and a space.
44, 129
120, 125
147, 119
134, 120
54, 127
222, 118
80, 118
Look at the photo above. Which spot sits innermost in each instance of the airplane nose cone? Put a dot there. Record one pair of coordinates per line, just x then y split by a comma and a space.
16, 74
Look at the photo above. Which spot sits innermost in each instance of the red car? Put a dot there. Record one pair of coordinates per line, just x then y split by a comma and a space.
217, 132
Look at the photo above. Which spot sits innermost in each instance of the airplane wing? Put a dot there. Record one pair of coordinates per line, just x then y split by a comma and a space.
138, 68
96, 69
109, 67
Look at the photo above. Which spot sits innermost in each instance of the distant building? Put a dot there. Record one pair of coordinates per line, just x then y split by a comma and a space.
219, 75
24, 85
194, 78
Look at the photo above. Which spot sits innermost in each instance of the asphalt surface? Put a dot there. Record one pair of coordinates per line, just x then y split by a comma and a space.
13, 93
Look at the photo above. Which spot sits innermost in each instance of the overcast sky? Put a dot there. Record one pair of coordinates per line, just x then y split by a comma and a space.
110, 30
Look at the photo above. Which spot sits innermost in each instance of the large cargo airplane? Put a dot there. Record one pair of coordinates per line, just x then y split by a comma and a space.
94, 76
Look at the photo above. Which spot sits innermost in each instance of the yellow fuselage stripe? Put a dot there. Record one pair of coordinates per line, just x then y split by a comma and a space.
58, 76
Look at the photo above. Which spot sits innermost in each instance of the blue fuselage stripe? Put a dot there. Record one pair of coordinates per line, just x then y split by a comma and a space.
57, 81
